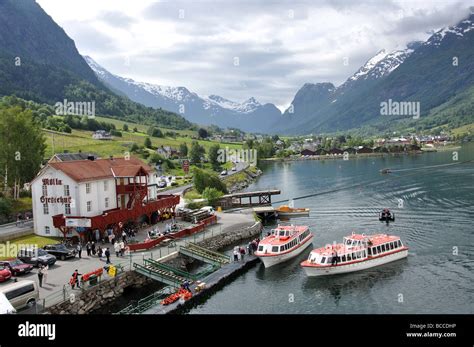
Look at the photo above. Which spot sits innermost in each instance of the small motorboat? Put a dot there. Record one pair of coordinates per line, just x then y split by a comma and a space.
385, 171
386, 216
289, 211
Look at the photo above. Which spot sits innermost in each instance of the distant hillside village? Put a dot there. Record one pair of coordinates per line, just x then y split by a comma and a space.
339, 145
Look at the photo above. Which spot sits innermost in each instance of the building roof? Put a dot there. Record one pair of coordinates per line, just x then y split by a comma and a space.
90, 170
72, 156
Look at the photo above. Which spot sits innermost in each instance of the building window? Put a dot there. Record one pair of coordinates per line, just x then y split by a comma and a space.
106, 185
89, 206
106, 202
47, 231
88, 188
66, 190
45, 190
67, 208
45, 209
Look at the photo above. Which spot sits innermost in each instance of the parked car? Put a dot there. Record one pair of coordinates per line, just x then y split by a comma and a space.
21, 293
5, 274
208, 209
162, 184
234, 168
60, 251
223, 173
16, 266
36, 256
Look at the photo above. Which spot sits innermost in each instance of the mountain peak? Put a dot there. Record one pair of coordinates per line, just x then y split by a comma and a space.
458, 30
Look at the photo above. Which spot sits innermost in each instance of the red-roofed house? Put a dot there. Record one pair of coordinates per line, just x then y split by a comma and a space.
98, 194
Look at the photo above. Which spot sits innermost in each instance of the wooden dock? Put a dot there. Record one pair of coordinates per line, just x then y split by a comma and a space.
214, 282
248, 199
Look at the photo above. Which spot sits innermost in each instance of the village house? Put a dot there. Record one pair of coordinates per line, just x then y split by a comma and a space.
80, 196
167, 152
101, 135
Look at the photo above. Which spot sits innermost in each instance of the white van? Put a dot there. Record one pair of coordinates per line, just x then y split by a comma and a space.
21, 294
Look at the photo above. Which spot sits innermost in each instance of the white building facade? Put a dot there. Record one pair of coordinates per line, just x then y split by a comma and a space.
83, 188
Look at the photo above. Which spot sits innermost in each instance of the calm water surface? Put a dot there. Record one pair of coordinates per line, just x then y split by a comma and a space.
435, 221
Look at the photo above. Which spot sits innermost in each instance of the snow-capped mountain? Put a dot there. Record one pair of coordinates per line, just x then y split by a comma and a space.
249, 115
430, 72
458, 30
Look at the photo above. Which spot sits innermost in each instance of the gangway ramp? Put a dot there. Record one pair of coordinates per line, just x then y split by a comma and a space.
203, 254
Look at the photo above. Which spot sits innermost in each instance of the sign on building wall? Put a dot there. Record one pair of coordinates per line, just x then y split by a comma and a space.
78, 222
44, 199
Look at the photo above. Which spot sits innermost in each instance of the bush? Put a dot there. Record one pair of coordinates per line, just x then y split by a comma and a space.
212, 195
196, 205
203, 179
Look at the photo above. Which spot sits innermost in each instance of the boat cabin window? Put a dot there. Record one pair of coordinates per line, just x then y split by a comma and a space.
369, 250
329, 261
260, 248
349, 258
359, 255
282, 232
379, 249
275, 249
399, 243
383, 248
348, 242
374, 250
363, 253
391, 245
323, 260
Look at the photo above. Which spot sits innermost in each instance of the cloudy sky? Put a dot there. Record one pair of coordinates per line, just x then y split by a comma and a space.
242, 48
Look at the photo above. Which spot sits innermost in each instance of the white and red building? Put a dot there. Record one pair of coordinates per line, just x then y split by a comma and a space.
81, 196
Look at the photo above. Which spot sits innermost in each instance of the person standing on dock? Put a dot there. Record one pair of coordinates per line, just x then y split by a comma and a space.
122, 248
79, 250
242, 253
236, 254
44, 270
117, 248
40, 276
93, 248
88, 248
107, 255
75, 279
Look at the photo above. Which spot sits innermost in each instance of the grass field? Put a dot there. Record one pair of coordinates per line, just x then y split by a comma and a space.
82, 140
465, 129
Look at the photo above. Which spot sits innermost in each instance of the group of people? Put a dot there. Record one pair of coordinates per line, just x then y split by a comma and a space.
239, 251
119, 248
95, 249
253, 246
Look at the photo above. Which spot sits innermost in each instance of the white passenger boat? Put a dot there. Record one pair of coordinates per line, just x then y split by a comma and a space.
357, 252
283, 243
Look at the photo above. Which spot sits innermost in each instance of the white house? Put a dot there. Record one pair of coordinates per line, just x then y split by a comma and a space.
101, 135
85, 188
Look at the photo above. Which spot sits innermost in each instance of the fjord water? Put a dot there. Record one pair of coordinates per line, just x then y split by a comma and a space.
435, 222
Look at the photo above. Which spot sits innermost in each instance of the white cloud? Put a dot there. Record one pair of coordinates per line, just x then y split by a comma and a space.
280, 45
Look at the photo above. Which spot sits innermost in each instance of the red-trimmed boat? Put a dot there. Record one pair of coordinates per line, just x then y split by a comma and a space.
283, 243
357, 252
